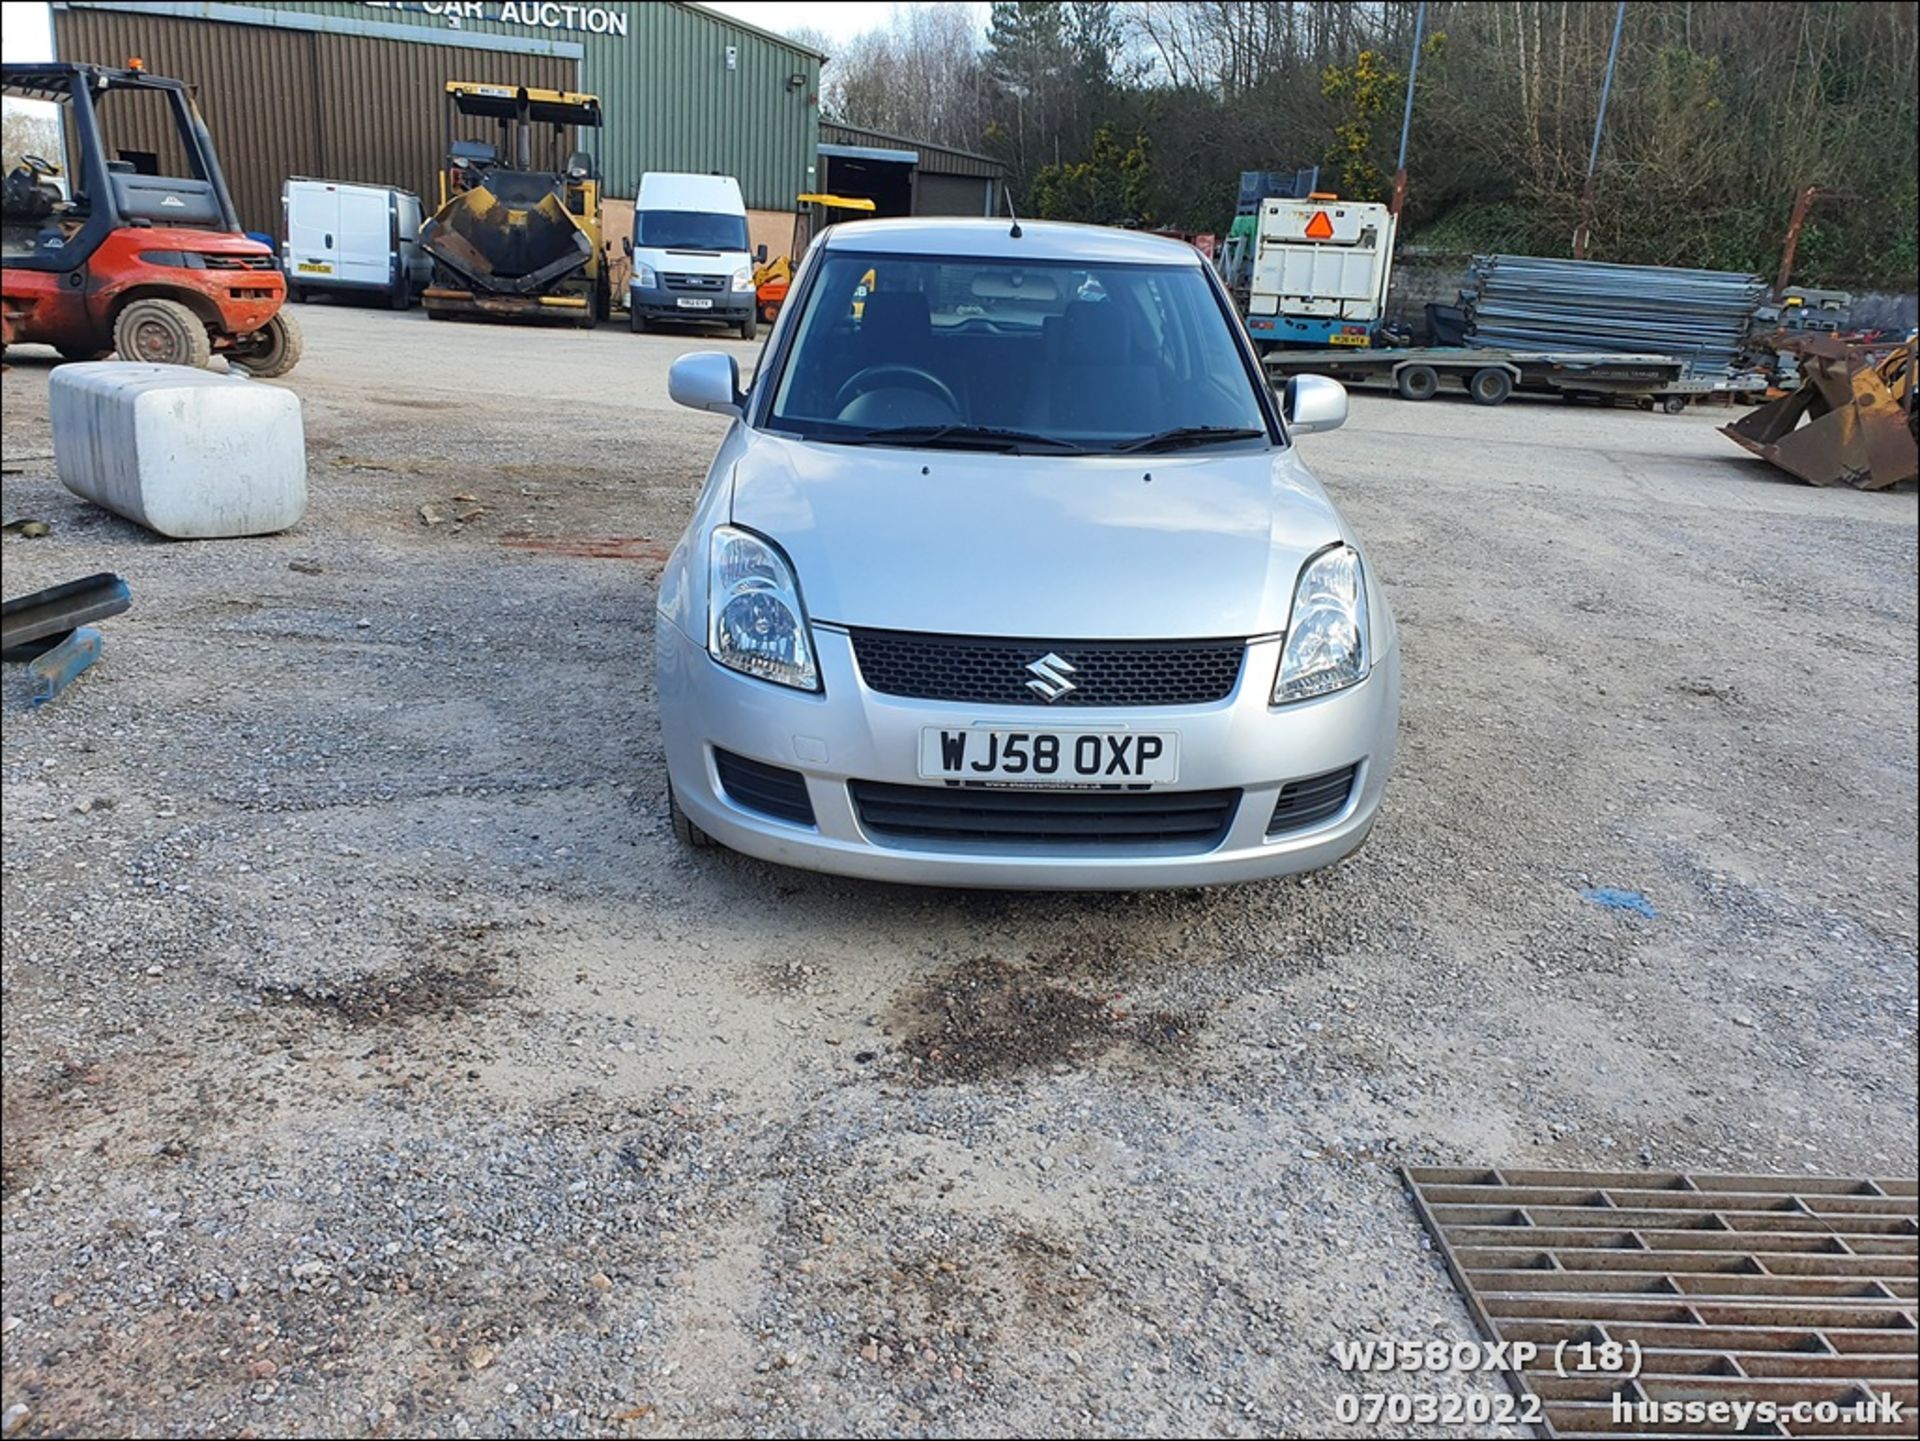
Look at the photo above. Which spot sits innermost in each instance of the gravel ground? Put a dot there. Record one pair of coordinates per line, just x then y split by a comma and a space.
375, 1064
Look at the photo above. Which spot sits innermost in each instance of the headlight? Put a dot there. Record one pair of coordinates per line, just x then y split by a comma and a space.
743, 278
644, 277
755, 622
1327, 648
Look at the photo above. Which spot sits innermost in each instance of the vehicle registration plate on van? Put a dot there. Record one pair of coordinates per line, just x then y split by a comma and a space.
311, 267
1050, 758
689, 303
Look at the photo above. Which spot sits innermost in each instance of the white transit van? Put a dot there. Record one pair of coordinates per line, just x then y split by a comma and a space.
361, 239
689, 251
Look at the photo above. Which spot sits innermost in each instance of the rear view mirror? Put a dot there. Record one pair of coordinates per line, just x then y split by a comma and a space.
760, 255
626, 244
1313, 403
707, 380
1013, 285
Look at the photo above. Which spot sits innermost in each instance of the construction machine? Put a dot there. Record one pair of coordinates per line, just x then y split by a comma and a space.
1851, 422
517, 233
138, 251
815, 213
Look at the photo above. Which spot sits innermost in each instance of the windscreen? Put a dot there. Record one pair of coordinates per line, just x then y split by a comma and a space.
1091, 356
690, 230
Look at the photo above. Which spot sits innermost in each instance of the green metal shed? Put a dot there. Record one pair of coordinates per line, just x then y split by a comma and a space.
684, 86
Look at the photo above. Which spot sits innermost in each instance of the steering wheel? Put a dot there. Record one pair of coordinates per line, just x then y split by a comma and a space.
40, 165
861, 381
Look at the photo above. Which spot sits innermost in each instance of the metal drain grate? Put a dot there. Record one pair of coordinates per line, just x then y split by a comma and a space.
1738, 1289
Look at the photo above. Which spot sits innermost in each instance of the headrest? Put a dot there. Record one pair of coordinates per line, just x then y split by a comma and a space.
896, 317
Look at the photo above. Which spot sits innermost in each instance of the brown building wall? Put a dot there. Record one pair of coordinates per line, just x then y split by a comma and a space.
297, 102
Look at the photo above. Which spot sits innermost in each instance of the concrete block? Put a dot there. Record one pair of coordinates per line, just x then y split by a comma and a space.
190, 454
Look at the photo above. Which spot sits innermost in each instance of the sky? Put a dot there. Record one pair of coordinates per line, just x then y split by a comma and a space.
24, 32
838, 19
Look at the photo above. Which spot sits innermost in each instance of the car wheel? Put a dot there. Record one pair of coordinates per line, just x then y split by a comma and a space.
750, 327
1490, 385
684, 830
636, 322
1417, 382
161, 332
274, 350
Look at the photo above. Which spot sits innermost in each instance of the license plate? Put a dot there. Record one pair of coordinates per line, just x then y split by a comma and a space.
1347, 340
308, 267
1050, 758
687, 303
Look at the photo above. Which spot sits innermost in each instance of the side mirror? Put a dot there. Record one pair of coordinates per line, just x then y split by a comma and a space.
760, 255
707, 380
1313, 403
626, 244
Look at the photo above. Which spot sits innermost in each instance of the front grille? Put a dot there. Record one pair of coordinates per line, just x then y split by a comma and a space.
695, 282
991, 671
1093, 820
238, 262
1307, 803
771, 790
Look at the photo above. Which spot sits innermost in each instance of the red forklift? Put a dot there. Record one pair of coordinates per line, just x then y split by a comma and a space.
112, 254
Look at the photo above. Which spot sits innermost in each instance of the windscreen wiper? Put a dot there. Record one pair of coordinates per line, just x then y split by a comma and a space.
1183, 437
955, 437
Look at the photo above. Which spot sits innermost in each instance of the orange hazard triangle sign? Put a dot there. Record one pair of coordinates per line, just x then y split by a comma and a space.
1319, 228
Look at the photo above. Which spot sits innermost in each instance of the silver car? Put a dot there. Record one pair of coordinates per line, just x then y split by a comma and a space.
1007, 574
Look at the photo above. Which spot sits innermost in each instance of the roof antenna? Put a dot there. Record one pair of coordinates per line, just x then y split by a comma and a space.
1006, 194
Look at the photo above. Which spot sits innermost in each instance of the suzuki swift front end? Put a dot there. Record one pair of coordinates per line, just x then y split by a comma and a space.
1007, 574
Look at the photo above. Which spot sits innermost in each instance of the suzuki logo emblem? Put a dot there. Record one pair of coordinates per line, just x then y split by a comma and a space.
1050, 677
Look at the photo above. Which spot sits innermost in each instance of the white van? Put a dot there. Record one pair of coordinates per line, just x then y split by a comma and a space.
360, 239
689, 251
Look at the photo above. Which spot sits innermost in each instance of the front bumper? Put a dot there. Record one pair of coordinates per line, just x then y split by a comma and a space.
469, 302
729, 307
852, 733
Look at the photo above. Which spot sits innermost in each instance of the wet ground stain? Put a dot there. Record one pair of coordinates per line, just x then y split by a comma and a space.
988, 1020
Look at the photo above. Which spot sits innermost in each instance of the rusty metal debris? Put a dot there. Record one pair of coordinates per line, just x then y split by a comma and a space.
1725, 1288
1858, 419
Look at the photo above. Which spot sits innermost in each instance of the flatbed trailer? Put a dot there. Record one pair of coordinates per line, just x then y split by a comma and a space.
1490, 376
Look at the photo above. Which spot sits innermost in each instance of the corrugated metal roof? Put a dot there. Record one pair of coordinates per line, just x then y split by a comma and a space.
737, 23
938, 159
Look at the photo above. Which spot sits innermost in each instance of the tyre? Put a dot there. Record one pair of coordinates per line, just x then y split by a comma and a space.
273, 351
82, 352
297, 294
1673, 404
684, 830
161, 332
1490, 385
750, 326
400, 297
1416, 382
433, 314
636, 322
